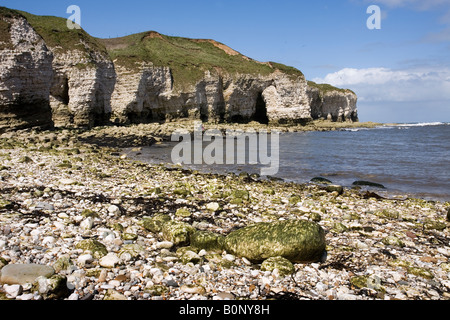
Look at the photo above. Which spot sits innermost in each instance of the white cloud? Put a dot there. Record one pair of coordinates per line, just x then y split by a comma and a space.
383, 84
414, 4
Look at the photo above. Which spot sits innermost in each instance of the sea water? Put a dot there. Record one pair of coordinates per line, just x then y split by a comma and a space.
409, 159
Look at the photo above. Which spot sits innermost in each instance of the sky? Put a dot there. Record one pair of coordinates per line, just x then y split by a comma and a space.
400, 72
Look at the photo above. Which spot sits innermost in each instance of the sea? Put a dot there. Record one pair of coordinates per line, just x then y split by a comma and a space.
407, 159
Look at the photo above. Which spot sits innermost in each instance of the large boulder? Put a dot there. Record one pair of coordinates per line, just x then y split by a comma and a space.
24, 273
298, 241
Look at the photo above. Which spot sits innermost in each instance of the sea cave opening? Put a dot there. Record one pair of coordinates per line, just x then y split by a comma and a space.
261, 110
65, 97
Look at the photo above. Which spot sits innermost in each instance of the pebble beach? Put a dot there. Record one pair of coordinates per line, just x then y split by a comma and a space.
77, 222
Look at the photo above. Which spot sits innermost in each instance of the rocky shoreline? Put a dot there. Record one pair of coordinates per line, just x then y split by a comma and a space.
78, 221
144, 135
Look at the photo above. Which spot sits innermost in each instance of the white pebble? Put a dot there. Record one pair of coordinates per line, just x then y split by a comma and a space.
85, 259
27, 296
73, 297
109, 261
114, 210
229, 257
87, 224
114, 283
164, 245
13, 291
48, 240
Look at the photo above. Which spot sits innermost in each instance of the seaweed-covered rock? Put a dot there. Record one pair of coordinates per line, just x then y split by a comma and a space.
156, 223
240, 195
63, 263
52, 288
131, 251
284, 266
368, 184
393, 241
178, 233
183, 212
430, 224
321, 180
293, 200
97, 248
4, 204
388, 214
335, 188
421, 272
207, 240
295, 240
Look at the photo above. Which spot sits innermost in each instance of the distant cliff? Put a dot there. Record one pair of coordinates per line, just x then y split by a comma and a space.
53, 76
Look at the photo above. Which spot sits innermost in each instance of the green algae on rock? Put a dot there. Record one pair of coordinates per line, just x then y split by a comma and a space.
97, 248
178, 233
156, 223
296, 240
321, 180
283, 265
207, 240
183, 212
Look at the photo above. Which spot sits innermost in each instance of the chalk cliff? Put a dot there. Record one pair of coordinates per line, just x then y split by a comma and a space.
53, 76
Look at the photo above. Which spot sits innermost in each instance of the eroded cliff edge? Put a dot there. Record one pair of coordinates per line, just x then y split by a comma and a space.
53, 76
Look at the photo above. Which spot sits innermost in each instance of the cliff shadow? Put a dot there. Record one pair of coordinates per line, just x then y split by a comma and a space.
106, 79
24, 115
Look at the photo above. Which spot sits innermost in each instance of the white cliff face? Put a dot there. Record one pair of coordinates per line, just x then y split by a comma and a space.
286, 100
149, 95
333, 105
25, 78
141, 96
81, 86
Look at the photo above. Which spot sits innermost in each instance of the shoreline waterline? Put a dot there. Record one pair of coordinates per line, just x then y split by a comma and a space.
394, 162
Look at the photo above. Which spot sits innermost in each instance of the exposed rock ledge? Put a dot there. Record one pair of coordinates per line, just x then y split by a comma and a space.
53, 76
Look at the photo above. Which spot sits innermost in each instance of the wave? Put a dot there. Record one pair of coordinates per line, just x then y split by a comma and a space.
422, 124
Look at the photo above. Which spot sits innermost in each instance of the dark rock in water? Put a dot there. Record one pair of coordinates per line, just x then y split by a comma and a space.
275, 179
321, 180
298, 241
368, 184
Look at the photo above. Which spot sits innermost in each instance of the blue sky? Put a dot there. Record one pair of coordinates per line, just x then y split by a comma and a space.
401, 72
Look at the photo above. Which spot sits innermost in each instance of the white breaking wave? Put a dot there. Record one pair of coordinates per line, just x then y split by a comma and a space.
423, 124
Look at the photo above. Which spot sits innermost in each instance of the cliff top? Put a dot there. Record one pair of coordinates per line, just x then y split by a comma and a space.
53, 30
187, 58
326, 88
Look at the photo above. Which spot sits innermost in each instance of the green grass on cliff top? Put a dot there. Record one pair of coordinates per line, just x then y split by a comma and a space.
326, 88
54, 31
187, 58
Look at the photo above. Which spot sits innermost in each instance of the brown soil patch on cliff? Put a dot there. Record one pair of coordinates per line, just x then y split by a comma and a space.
219, 45
152, 35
